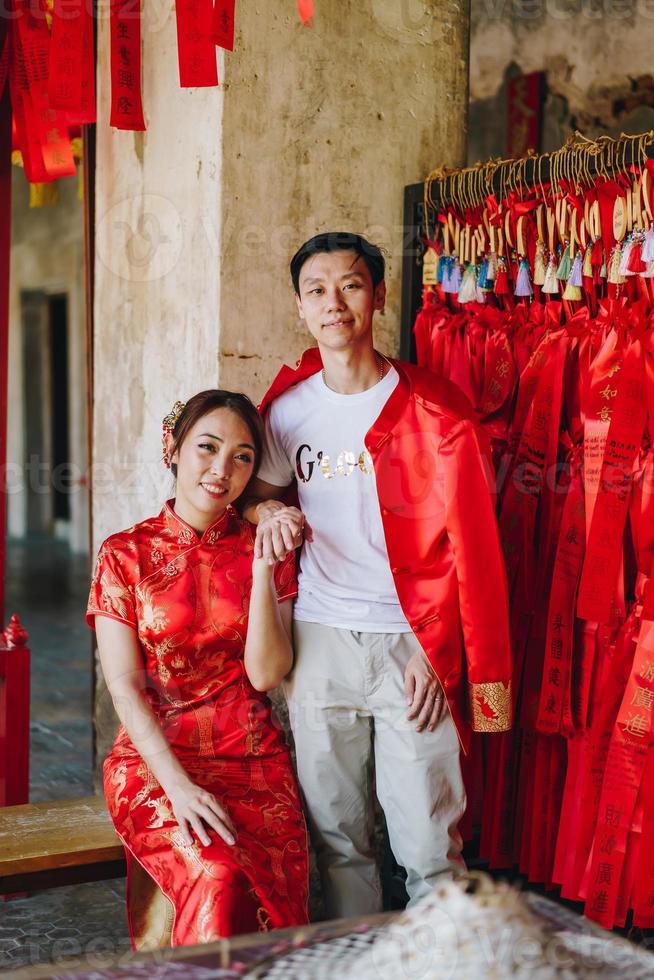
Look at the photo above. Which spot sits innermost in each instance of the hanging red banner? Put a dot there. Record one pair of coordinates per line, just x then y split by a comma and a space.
223, 24
555, 687
305, 10
624, 409
44, 138
196, 48
66, 55
87, 110
623, 775
126, 105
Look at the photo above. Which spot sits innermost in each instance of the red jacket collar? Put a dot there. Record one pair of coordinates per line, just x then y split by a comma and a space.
311, 362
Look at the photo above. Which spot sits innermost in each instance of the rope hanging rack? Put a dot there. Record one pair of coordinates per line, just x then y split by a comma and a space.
578, 162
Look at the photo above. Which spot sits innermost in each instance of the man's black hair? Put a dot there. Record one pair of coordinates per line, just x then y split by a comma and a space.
339, 241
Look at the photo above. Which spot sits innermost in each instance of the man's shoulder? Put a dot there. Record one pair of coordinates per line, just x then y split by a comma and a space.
287, 401
435, 392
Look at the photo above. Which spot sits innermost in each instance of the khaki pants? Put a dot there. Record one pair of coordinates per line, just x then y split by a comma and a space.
346, 700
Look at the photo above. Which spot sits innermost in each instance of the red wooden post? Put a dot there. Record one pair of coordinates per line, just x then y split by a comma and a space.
14, 715
5, 249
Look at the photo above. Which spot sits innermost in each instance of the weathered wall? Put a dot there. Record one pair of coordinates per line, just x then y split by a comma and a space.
322, 129
198, 217
157, 287
157, 290
596, 55
47, 254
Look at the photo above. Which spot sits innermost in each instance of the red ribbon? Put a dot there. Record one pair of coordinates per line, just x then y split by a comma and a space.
126, 105
557, 663
305, 10
644, 886
195, 45
620, 399
623, 775
223, 24
67, 55
41, 130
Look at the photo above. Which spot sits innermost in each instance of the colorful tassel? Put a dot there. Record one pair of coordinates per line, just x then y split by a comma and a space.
635, 264
540, 264
455, 276
575, 277
613, 269
481, 295
551, 283
448, 266
523, 282
647, 253
491, 272
587, 266
482, 279
571, 291
468, 288
624, 260
565, 265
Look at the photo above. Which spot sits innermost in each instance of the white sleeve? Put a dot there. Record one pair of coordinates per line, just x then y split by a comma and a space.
275, 465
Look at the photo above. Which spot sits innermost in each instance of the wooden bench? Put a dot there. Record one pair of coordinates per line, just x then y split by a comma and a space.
43, 845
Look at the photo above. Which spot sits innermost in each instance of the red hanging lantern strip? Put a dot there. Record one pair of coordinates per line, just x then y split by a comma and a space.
87, 112
42, 130
66, 55
305, 10
196, 48
126, 104
223, 24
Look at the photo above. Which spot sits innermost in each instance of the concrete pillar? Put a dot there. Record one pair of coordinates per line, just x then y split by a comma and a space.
312, 129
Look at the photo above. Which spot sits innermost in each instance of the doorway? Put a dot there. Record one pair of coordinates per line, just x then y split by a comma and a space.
46, 420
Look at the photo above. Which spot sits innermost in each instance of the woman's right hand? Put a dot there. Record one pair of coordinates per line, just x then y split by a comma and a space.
280, 530
193, 808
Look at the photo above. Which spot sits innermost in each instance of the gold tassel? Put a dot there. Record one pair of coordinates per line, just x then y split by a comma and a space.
43, 195
539, 265
587, 268
571, 292
614, 267
551, 283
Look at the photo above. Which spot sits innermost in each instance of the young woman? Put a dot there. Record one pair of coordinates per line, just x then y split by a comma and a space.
192, 632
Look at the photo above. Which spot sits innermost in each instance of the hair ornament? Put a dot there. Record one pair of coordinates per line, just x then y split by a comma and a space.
168, 425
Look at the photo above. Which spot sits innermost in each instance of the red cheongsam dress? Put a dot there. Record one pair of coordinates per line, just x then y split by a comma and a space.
187, 599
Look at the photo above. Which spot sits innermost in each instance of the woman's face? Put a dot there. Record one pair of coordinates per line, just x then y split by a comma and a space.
214, 464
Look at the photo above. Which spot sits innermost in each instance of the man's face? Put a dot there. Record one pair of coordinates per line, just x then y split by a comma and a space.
337, 299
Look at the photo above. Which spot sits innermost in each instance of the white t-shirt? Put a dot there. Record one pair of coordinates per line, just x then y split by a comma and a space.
316, 436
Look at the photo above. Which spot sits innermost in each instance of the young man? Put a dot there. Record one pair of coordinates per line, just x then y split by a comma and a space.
401, 556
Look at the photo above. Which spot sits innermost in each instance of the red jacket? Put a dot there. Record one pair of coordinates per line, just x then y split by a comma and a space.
441, 536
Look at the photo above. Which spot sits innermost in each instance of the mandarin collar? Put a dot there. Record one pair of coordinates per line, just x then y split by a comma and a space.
186, 534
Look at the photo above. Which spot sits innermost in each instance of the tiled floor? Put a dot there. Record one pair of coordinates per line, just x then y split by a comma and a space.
47, 587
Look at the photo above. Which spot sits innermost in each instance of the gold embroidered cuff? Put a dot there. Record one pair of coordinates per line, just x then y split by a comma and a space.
490, 706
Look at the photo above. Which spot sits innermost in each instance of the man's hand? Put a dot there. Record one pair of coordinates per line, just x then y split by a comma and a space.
424, 694
280, 530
